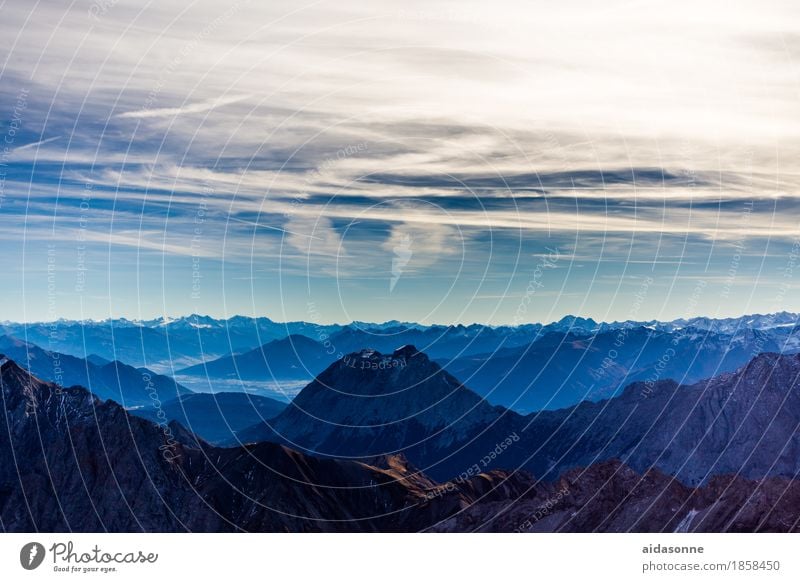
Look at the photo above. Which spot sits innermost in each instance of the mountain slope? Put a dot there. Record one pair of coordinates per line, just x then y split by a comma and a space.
611, 497
215, 417
744, 423
73, 463
116, 381
291, 358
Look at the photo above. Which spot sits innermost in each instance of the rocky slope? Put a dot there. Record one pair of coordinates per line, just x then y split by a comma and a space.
744, 423
611, 497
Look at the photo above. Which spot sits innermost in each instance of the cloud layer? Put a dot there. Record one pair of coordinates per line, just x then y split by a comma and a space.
287, 151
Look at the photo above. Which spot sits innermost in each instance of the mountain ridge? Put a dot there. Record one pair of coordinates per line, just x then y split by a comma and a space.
55, 475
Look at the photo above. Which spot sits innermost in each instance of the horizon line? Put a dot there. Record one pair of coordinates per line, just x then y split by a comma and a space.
406, 322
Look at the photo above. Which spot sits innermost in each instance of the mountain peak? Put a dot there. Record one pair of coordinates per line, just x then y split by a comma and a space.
575, 322
369, 404
11, 372
767, 368
399, 358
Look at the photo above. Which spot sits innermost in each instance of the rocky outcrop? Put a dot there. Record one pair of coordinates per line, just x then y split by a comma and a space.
612, 497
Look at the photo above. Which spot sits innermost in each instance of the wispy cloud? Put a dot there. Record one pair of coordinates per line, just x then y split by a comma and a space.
201, 107
32, 145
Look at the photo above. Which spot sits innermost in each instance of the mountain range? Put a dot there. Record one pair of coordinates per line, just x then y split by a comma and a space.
571, 426
168, 344
744, 422
73, 463
292, 358
563, 368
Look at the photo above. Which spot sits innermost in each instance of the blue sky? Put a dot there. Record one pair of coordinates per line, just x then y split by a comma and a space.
416, 161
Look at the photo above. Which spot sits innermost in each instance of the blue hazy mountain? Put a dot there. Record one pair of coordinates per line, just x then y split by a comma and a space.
300, 357
562, 369
291, 358
437, 341
129, 386
214, 417
161, 344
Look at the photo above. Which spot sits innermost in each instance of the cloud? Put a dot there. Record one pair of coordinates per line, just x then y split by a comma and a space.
577, 178
201, 107
32, 145
327, 134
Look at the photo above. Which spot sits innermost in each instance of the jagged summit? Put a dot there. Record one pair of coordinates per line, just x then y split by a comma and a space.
401, 358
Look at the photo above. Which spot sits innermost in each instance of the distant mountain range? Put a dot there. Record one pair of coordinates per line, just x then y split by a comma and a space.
564, 368
527, 370
166, 345
162, 345
291, 358
73, 463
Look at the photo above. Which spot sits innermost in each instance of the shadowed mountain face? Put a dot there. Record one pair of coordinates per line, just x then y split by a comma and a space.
120, 382
744, 423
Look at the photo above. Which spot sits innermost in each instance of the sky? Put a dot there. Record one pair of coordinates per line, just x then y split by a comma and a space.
438, 162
